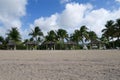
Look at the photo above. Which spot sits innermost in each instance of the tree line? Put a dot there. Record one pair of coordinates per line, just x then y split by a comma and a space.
110, 37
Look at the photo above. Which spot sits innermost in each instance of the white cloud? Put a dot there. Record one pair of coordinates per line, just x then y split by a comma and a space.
117, 0
64, 1
10, 13
75, 15
46, 24
70, 18
96, 19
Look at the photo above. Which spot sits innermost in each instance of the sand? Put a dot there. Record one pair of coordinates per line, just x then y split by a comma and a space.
60, 65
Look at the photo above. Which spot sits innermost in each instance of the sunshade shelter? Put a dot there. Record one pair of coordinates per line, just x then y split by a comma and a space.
11, 45
70, 45
31, 45
96, 44
50, 45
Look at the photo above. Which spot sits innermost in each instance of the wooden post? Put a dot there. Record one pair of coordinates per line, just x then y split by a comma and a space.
54, 47
14, 47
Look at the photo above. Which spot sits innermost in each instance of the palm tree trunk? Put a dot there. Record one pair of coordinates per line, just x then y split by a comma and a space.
54, 47
27, 46
113, 44
15, 47
37, 43
82, 42
90, 44
63, 42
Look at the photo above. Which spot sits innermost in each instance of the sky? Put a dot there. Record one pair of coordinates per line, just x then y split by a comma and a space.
56, 14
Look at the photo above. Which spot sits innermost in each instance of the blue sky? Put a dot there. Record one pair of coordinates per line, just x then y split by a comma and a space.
55, 14
45, 8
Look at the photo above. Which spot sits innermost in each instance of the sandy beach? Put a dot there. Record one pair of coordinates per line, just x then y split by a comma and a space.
60, 65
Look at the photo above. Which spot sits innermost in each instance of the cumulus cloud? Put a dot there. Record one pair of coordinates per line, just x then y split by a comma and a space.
11, 12
70, 18
75, 15
117, 0
64, 1
46, 23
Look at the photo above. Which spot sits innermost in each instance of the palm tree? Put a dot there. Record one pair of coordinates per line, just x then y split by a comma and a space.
117, 29
92, 36
13, 37
109, 31
36, 33
51, 36
51, 39
1, 39
14, 34
75, 37
2, 42
62, 34
84, 34
104, 40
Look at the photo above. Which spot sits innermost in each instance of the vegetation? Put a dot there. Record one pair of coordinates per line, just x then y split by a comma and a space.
36, 34
110, 37
62, 34
111, 32
14, 34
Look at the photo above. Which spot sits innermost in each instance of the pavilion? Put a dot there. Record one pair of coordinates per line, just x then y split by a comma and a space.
11, 45
70, 45
96, 44
50, 45
31, 45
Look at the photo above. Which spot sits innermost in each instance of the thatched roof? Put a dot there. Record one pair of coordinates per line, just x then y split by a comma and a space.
71, 43
11, 43
96, 42
49, 42
31, 43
